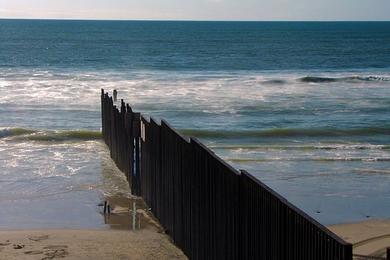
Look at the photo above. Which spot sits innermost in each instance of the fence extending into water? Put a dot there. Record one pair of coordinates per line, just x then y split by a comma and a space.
210, 210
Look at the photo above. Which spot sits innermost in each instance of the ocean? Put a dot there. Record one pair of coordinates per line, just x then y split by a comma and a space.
304, 106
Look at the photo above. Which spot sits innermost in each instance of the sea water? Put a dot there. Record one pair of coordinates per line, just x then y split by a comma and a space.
303, 106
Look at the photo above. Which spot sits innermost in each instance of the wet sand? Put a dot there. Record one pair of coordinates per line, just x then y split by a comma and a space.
130, 232
370, 237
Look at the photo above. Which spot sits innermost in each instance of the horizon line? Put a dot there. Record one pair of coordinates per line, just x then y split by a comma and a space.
179, 20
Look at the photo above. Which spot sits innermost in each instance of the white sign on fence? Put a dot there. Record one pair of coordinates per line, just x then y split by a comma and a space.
142, 131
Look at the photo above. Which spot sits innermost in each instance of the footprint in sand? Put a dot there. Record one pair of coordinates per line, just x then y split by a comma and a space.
54, 247
35, 252
38, 238
6, 243
18, 246
55, 251
51, 252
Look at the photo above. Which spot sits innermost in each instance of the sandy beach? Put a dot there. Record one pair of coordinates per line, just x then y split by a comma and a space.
87, 244
370, 237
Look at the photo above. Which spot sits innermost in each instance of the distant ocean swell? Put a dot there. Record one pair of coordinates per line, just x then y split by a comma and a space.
263, 147
287, 132
22, 134
64, 135
310, 79
315, 159
328, 79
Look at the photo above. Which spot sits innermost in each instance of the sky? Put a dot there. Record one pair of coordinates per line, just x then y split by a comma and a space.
258, 10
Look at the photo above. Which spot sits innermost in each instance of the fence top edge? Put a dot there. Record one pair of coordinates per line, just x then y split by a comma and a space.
149, 119
214, 156
122, 102
106, 95
145, 119
296, 209
154, 121
130, 108
164, 123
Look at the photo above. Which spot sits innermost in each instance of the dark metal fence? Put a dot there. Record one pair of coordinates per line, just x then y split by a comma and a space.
210, 210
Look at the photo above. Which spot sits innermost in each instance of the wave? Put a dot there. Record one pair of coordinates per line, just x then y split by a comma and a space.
302, 147
310, 79
315, 159
325, 79
7, 132
18, 134
65, 135
287, 132
275, 82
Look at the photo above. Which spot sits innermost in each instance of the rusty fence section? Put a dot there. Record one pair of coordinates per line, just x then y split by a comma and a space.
210, 210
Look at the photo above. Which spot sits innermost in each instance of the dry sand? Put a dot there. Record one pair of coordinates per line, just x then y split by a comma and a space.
87, 244
368, 237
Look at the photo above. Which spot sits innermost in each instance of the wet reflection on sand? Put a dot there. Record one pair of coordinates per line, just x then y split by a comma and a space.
126, 211
129, 213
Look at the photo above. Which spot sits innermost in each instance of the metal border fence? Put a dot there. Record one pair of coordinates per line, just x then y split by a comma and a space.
210, 210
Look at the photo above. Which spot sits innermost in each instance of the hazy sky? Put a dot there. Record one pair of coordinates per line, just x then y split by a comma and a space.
198, 9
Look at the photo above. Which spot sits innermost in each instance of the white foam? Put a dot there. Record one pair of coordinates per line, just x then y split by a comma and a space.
217, 92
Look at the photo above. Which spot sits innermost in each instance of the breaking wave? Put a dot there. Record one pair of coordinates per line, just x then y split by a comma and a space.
315, 159
302, 147
310, 79
17, 134
287, 132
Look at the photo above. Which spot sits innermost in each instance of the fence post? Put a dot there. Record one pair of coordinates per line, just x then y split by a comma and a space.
130, 143
348, 252
102, 100
388, 253
135, 185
